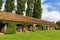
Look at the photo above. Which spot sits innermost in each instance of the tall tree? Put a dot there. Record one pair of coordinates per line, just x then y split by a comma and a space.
58, 23
0, 4
9, 5
20, 6
37, 9
29, 11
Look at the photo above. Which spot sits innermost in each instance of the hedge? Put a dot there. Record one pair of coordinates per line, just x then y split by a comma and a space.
11, 28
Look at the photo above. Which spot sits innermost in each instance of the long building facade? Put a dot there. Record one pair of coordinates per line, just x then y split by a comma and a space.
12, 23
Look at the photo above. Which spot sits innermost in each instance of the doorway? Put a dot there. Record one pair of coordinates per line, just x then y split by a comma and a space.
19, 28
2, 26
29, 28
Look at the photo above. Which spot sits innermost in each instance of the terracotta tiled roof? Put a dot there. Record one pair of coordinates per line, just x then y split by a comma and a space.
16, 17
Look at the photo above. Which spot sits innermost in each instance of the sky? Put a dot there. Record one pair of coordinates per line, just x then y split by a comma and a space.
51, 10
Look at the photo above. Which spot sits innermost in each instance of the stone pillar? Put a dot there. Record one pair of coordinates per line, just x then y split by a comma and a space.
48, 27
52, 28
24, 27
20, 28
44, 27
5, 27
31, 28
34, 27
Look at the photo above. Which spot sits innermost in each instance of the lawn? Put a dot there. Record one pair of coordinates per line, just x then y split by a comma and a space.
42, 35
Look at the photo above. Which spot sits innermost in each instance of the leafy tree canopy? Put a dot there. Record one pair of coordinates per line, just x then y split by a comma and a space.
20, 6
58, 22
1, 3
9, 5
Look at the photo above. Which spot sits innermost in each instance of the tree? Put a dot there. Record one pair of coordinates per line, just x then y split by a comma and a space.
29, 11
20, 6
37, 9
0, 4
58, 23
9, 5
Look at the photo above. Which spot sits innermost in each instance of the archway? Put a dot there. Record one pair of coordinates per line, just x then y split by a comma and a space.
19, 27
38, 27
46, 27
3, 27
29, 27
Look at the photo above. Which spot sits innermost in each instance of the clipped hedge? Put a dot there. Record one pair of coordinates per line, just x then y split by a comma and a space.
11, 28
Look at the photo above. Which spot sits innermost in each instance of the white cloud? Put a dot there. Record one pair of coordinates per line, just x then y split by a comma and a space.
50, 16
58, 4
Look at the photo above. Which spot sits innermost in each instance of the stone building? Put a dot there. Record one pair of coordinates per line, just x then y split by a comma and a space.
19, 23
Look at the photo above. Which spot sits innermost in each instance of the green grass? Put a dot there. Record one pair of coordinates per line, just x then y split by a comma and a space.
42, 35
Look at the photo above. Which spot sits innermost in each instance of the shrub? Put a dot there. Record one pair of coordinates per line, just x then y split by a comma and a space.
11, 28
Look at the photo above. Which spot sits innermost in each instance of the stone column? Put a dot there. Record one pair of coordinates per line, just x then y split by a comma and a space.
52, 28
31, 28
44, 27
5, 27
48, 27
24, 27
20, 28
34, 27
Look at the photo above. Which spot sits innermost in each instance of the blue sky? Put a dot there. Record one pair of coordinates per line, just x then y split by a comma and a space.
51, 10
53, 3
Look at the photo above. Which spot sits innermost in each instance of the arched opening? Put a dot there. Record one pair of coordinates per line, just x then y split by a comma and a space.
29, 28
46, 27
38, 27
3, 26
19, 27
